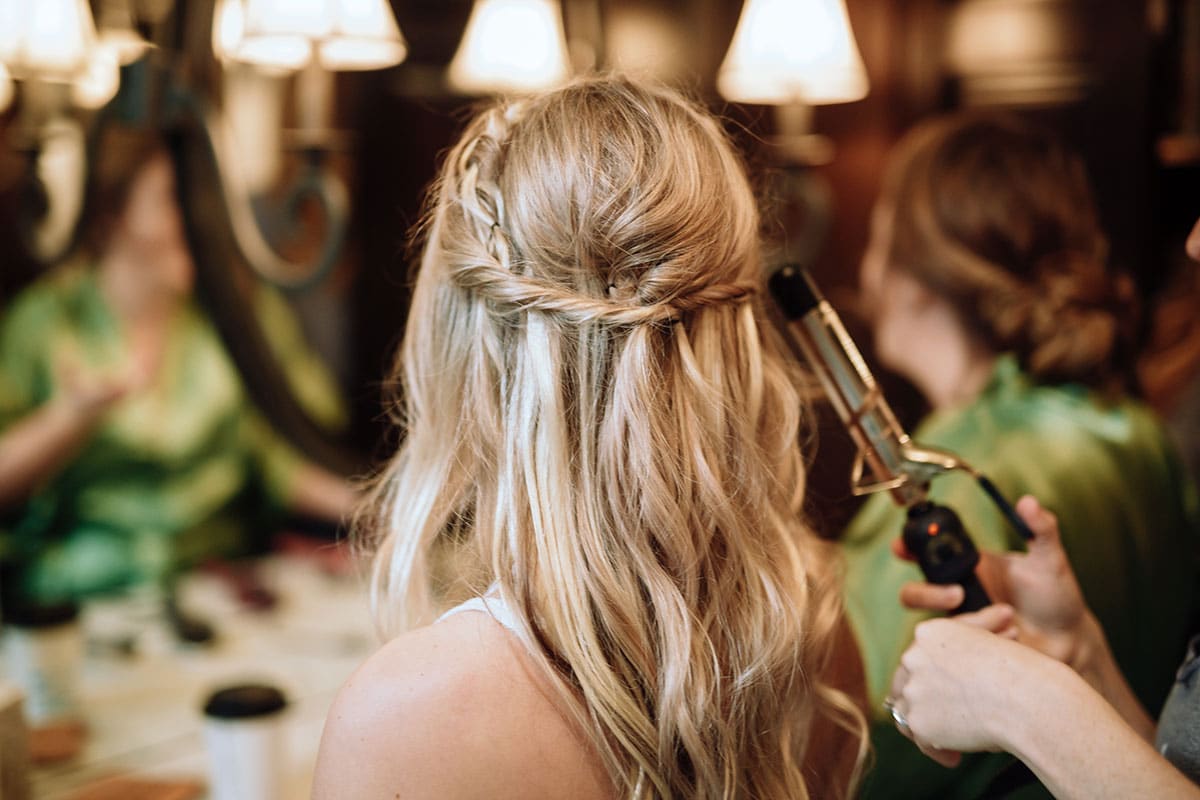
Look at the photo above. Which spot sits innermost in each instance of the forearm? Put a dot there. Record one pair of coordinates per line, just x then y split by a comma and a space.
318, 492
38, 446
1079, 746
1096, 665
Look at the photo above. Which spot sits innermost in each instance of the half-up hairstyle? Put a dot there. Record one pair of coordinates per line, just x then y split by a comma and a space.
594, 406
997, 217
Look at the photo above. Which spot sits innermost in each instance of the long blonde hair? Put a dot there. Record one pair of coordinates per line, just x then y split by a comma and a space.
593, 402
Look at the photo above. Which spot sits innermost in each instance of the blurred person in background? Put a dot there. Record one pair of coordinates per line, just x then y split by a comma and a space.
129, 449
1169, 366
987, 272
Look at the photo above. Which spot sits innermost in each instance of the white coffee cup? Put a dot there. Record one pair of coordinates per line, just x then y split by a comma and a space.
244, 735
43, 649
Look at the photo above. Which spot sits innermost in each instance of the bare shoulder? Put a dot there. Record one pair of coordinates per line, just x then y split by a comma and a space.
454, 710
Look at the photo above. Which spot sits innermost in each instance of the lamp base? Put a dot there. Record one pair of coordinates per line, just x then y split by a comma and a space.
805, 149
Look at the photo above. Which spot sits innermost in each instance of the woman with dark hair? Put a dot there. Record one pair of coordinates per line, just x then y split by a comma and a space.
991, 293
128, 447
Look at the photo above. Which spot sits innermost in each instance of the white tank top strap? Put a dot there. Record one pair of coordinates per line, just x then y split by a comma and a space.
491, 603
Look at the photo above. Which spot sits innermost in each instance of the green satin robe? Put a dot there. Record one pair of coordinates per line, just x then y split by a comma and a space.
178, 472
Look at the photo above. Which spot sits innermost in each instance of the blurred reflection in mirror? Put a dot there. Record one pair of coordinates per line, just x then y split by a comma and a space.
129, 450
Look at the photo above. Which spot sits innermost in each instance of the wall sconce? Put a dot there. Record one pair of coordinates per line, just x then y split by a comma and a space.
261, 42
55, 41
511, 46
51, 48
1013, 53
795, 54
49, 40
289, 34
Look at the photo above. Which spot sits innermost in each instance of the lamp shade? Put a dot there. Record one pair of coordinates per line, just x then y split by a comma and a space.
280, 33
1019, 53
793, 51
48, 39
364, 36
100, 79
511, 45
229, 25
285, 34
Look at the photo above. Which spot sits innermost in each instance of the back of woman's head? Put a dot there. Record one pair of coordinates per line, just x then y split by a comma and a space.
996, 216
593, 404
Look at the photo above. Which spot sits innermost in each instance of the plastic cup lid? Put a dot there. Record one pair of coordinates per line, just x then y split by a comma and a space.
51, 615
244, 701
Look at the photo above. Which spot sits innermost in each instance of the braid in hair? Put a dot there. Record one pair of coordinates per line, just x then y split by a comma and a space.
498, 274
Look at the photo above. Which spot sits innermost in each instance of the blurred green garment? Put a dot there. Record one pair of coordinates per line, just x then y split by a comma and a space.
1128, 516
174, 473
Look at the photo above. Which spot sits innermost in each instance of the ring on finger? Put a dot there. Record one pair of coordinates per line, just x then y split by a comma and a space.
897, 716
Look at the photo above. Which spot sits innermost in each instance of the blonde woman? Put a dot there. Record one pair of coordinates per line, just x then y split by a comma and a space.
596, 410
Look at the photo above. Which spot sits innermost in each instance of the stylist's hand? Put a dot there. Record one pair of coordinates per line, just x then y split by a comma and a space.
956, 681
1051, 615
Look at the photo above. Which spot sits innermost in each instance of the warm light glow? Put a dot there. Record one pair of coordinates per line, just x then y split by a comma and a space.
54, 41
12, 24
1017, 53
229, 23
253, 117
511, 45
285, 34
100, 80
117, 33
6, 88
365, 36
311, 19
647, 41
793, 51
48, 39
280, 33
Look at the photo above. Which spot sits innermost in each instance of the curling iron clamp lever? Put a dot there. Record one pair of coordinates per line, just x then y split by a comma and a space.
919, 464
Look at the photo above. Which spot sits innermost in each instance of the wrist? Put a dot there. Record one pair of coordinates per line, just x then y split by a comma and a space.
77, 411
1030, 724
1091, 655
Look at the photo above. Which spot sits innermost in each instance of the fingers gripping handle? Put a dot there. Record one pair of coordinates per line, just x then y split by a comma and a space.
934, 535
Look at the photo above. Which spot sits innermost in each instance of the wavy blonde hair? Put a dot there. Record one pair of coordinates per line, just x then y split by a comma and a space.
593, 403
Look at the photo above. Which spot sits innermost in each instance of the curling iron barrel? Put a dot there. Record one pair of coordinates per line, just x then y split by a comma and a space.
933, 534
851, 388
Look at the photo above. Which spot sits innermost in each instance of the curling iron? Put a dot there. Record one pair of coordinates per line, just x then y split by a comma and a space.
933, 533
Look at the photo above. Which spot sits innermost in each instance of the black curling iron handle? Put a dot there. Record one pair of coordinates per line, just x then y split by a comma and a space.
934, 535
